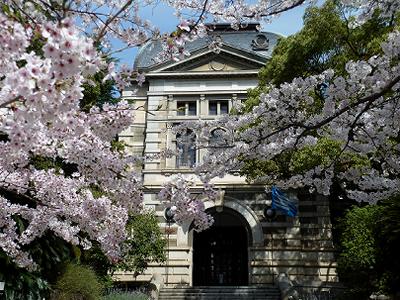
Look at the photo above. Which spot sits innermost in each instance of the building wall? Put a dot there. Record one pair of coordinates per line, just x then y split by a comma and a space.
301, 247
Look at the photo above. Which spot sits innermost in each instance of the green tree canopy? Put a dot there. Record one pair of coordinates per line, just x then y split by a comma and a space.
369, 247
327, 41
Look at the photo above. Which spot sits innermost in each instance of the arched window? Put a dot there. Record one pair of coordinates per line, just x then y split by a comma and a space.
218, 138
186, 145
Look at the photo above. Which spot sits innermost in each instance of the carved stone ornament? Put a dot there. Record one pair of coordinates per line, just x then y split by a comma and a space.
216, 66
260, 42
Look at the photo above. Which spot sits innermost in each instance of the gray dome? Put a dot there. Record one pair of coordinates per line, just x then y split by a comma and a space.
251, 41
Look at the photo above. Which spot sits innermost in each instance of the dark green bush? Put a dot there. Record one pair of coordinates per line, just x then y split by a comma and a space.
369, 249
359, 249
78, 282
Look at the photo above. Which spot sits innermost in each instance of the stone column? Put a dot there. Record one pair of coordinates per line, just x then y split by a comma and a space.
169, 161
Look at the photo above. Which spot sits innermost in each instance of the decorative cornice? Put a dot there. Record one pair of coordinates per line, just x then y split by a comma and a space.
202, 74
195, 93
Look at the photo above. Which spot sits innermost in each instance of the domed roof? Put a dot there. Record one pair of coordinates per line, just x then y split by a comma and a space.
249, 40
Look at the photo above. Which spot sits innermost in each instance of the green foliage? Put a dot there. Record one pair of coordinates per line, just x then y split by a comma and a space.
145, 243
97, 91
118, 146
51, 253
256, 168
78, 282
358, 237
57, 164
369, 249
325, 42
99, 263
323, 153
126, 296
21, 284
308, 51
253, 97
388, 231
359, 252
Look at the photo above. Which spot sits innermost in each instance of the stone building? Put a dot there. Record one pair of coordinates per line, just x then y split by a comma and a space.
242, 247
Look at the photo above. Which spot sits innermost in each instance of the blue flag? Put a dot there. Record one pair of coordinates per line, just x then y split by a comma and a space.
281, 202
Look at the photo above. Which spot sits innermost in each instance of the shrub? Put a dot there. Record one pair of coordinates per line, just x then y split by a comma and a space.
78, 282
145, 243
369, 244
359, 249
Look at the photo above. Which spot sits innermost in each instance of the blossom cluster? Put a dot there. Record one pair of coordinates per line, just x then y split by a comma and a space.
359, 112
45, 58
40, 118
188, 206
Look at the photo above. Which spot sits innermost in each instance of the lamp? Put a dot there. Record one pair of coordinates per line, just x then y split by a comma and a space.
169, 214
269, 213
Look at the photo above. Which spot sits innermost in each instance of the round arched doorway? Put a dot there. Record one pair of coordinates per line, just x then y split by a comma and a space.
220, 253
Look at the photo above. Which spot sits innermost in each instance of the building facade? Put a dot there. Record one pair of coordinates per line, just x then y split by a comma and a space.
242, 247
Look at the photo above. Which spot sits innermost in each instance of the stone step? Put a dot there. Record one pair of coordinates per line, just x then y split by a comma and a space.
220, 293
220, 288
245, 288
210, 297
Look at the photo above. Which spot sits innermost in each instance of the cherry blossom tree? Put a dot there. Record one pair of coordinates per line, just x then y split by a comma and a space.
326, 126
49, 50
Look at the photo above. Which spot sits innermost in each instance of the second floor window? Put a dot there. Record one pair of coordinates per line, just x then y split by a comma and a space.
186, 145
186, 108
219, 107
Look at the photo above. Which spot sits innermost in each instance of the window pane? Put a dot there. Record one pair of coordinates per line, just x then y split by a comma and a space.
192, 109
223, 107
217, 137
212, 108
191, 156
181, 108
179, 157
187, 150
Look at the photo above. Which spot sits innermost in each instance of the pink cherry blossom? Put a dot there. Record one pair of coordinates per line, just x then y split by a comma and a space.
40, 116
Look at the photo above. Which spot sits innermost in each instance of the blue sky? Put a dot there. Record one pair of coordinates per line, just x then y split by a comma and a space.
286, 24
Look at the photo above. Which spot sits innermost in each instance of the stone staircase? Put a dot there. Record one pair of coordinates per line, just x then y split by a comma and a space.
220, 293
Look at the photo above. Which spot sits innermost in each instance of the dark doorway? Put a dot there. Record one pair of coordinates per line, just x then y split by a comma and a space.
220, 253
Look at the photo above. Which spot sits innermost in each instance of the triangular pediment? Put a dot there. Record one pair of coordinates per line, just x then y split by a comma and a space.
209, 61
219, 64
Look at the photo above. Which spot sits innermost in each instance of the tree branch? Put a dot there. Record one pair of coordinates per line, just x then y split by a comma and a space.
111, 19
